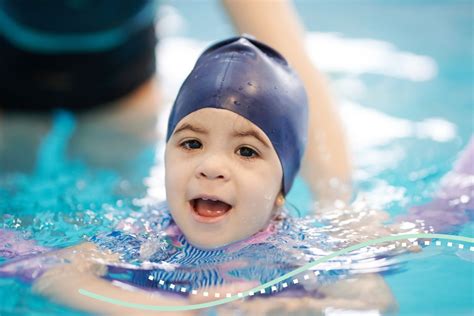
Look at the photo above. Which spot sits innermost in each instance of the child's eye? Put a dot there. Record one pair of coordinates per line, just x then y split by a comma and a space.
247, 152
191, 144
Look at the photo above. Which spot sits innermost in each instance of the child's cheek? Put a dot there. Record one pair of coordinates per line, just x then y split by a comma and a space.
261, 200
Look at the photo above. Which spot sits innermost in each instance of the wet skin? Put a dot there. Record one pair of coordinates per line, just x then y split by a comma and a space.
215, 154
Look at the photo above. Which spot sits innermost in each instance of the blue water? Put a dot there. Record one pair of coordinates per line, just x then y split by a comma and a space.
62, 200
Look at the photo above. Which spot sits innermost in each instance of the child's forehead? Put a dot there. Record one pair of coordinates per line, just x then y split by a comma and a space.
221, 121
211, 117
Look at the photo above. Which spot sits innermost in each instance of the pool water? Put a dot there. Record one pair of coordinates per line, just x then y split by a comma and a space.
403, 76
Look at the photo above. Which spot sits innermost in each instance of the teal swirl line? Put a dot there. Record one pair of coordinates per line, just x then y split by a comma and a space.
275, 281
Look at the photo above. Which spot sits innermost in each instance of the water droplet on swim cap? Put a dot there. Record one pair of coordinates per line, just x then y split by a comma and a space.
274, 98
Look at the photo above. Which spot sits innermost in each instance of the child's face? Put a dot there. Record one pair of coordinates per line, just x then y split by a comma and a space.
215, 154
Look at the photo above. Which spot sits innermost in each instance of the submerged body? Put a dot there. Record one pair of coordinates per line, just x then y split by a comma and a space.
149, 257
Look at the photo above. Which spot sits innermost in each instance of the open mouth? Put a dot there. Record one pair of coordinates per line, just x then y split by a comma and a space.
208, 209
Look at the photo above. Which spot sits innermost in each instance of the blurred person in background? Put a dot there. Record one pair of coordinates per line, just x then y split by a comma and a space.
97, 60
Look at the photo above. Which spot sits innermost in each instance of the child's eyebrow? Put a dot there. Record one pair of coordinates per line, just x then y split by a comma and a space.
251, 133
190, 127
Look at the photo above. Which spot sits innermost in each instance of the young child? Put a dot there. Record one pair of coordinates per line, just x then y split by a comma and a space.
236, 136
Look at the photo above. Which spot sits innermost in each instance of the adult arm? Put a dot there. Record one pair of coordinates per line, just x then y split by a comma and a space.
326, 161
82, 270
355, 295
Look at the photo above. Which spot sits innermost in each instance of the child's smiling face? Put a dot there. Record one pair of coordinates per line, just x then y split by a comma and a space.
223, 177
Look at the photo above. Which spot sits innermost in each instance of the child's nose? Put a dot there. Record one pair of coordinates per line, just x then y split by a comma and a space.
213, 168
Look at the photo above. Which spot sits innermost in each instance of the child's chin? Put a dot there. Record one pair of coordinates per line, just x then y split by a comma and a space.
207, 243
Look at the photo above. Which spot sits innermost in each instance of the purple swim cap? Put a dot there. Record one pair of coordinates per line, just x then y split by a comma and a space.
251, 79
